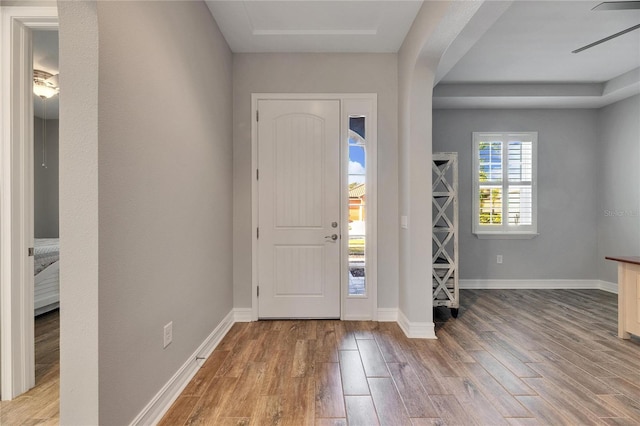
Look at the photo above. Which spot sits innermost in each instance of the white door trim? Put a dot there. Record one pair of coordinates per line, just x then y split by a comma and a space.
17, 363
362, 308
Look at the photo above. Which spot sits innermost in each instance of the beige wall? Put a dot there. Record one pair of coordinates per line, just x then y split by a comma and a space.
317, 73
32, 3
79, 340
165, 194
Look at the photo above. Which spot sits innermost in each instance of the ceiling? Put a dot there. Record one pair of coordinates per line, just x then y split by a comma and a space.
512, 53
524, 59
532, 42
314, 26
45, 58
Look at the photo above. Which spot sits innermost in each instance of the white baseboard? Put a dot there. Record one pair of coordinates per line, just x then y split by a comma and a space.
356, 317
529, 284
160, 404
388, 314
243, 314
416, 330
608, 286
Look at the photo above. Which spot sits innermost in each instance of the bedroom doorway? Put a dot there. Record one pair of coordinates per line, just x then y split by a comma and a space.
46, 171
17, 297
46, 218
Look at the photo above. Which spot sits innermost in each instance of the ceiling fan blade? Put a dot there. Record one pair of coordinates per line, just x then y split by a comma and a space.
612, 36
618, 5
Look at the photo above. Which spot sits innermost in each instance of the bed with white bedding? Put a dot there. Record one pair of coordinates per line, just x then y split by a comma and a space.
47, 274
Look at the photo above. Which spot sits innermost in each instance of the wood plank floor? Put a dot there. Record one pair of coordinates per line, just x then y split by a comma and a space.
520, 357
511, 357
39, 406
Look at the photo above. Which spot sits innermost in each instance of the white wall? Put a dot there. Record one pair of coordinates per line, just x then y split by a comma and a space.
316, 73
45, 180
568, 161
618, 182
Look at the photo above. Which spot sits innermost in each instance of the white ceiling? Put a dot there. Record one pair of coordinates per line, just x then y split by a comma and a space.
512, 53
314, 26
532, 42
45, 58
524, 59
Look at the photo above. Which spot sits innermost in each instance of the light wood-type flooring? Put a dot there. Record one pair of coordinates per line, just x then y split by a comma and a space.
39, 406
516, 357
511, 357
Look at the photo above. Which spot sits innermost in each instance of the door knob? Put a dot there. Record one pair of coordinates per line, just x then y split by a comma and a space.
332, 237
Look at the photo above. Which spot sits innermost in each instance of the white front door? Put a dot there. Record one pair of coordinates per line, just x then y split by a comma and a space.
299, 209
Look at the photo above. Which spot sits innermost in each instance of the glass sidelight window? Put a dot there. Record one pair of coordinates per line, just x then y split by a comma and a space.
357, 205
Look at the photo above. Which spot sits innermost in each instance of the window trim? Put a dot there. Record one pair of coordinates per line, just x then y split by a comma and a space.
505, 230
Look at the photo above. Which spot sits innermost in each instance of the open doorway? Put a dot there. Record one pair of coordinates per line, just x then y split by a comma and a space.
46, 218
78, 204
46, 172
41, 220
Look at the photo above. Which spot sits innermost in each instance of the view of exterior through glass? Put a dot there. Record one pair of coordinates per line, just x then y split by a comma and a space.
357, 206
491, 171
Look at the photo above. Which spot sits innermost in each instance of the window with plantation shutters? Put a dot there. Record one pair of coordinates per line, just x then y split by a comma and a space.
504, 185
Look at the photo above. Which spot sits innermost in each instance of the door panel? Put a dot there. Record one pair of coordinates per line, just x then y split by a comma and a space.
298, 199
299, 270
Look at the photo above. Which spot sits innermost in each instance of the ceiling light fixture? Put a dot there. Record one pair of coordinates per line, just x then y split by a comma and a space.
45, 86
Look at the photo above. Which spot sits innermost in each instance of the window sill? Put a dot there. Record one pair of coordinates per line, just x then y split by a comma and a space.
506, 235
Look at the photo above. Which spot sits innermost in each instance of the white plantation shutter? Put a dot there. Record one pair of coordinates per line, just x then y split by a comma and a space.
520, 182
504, 184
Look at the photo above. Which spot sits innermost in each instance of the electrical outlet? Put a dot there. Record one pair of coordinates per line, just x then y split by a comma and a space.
168, 334
499, 258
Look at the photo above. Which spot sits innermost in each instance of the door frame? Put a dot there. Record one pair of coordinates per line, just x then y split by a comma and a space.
351, 307
17, 360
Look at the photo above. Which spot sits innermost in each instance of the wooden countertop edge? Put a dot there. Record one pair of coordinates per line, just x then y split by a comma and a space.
635, 260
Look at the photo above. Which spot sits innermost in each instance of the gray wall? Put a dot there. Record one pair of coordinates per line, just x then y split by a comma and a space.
618, 183
165, 194
317, 73
45, 181
567, 208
